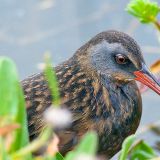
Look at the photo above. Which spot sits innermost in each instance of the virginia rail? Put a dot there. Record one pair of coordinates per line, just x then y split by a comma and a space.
97, 84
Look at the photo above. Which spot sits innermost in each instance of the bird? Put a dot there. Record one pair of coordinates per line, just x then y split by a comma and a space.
98, 86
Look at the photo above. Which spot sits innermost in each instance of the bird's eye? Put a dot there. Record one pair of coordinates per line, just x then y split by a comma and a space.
121, 59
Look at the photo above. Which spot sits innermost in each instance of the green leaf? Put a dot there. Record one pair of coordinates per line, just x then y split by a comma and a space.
71, 155
87, 146
8, 88
21, 136
126, 146
52, 81
145, 10
12, 102
142, 151
3, 153
59, 157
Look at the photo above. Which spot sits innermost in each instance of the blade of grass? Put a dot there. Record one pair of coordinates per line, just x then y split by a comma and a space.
51, 78
126, 146
21, 137
35, 145
3, 153
142, 151
83, 147
12, 103
8, 87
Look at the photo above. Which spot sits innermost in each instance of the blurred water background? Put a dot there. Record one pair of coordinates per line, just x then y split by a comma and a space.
29, 28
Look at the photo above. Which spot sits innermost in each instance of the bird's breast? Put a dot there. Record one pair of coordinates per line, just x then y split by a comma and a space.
124, 119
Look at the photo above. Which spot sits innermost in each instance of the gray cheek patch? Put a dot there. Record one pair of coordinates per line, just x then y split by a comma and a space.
102, 52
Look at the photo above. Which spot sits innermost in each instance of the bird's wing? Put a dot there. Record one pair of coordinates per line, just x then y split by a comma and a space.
38, 98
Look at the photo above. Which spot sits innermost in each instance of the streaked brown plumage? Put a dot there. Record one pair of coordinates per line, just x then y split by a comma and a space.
100, 96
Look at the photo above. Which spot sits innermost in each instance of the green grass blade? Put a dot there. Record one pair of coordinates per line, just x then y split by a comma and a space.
87, 146
126, 146
51, 78
142, 151
3, 153
12, 102
21, 136
58, 156
34, 145
8, 88
89, 143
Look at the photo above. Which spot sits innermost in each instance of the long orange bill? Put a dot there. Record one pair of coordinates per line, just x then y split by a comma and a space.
147, 78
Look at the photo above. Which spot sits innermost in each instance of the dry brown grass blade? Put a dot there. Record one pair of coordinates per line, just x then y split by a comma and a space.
52, 148
155, 67
8, 129
148, 127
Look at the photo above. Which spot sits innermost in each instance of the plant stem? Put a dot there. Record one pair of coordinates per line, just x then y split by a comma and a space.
157, 24
35, 145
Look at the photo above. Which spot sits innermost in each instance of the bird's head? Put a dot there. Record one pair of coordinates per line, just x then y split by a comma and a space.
117, 57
